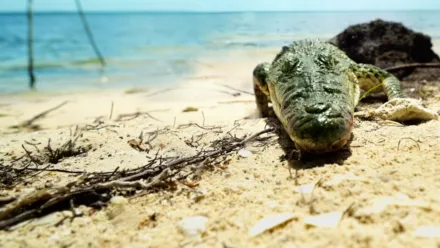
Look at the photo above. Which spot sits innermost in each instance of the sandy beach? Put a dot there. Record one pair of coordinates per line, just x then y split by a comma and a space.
217, 84
381, 191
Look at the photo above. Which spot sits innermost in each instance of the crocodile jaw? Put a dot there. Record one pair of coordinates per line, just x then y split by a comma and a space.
320, 134
311, 146
317, 133
329, 135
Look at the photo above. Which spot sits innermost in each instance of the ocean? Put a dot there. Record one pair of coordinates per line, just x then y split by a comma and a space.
145, 49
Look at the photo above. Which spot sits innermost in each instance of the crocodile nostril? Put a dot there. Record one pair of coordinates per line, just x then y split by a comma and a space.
316, 108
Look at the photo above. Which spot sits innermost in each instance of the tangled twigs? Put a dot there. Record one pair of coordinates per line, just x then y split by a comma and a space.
201, 156
92, 188
26, 165
29, 155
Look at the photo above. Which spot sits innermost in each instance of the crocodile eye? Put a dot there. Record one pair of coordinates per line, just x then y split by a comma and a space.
284, 50
332, 90
290, 66
327, 61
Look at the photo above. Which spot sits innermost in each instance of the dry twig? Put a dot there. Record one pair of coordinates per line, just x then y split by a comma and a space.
417, 143
111, 111
22, 168
242, 91
28, 123
132, 116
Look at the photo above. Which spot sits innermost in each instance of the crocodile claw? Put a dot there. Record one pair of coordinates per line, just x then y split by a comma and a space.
405, 109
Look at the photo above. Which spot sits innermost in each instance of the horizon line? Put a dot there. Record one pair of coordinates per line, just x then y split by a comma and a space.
209, 12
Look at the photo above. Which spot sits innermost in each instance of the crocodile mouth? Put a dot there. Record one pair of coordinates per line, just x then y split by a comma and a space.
330, 117
321, 148
321, 133
324, 121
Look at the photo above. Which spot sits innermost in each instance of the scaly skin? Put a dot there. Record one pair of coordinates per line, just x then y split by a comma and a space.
314, 88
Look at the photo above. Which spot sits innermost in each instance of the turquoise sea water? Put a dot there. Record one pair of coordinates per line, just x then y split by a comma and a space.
159, 48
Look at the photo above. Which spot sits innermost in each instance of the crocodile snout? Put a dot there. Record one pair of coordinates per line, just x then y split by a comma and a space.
317, 107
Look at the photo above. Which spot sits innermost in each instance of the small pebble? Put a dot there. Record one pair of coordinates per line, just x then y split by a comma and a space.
226, 174
27, 191
427, 232
118, 200
244, 153
117, 206
197, 196
193, 226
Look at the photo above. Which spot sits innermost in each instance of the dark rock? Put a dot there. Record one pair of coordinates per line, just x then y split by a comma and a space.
387, 44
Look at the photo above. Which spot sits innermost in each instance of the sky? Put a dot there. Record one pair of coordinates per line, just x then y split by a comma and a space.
222, 5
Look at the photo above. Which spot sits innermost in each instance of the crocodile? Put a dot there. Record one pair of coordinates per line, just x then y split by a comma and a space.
314, 88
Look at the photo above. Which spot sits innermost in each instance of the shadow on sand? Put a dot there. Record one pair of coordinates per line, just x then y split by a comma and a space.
303, 160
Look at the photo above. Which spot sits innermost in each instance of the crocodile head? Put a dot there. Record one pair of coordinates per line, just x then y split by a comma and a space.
312, 95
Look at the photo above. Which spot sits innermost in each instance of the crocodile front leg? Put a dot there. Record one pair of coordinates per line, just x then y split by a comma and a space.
372, 79
261, 89
399, 107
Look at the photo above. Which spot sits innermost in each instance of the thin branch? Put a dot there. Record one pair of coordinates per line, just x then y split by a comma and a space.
89, 33
369, 91
34, 145
97, 127
182, 126
120, 184
28, 153
6, 199
242, 91
30, 46
132, 116
29, 122
412, 65
111, 111
54, 170
408, 138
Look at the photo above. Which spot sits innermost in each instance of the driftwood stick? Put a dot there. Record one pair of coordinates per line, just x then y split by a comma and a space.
42, 114
17, 219
54, 170
111, 111
135, 184
239, 90
62, 194
6, 199
89, 33
132, 116
30, 45
412, 65
22, 202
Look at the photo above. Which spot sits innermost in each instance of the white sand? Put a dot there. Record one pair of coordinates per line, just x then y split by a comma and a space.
235, 197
